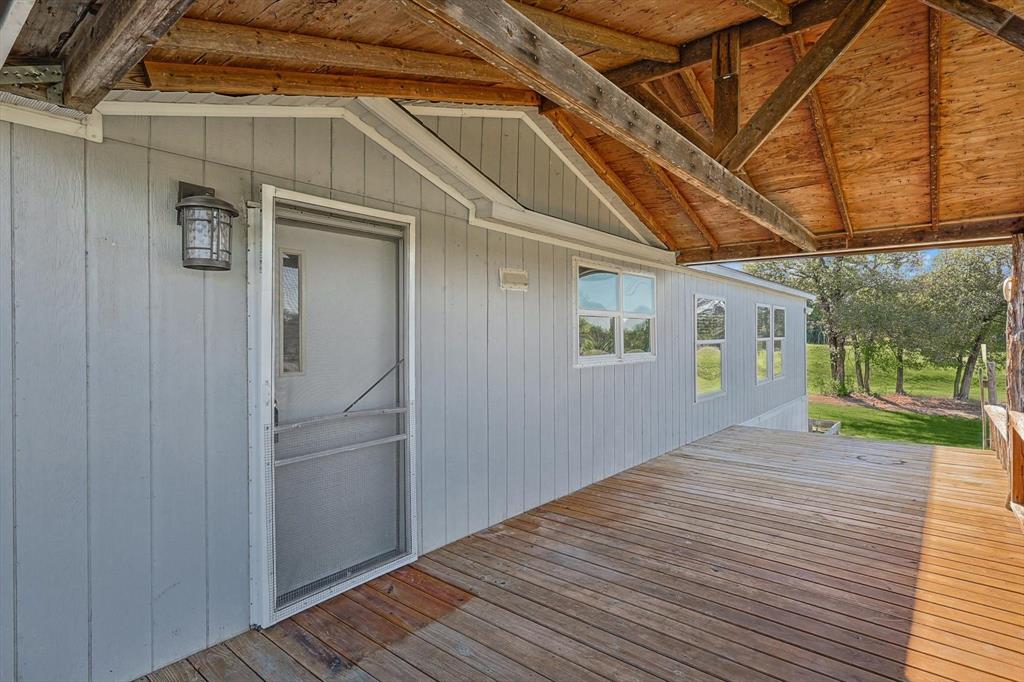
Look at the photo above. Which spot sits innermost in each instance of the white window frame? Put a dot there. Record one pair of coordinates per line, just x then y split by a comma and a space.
769, 347
697, 343
620, 356
283, 251
782, 339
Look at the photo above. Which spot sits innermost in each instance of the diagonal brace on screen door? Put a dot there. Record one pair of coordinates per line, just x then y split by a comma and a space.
374, 385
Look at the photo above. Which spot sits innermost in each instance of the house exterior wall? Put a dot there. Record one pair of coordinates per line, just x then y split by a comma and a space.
124, 501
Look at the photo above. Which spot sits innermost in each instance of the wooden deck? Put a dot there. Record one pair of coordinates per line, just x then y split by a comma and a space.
748, 555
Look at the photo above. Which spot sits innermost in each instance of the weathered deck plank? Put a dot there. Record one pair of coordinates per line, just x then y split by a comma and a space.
750, 554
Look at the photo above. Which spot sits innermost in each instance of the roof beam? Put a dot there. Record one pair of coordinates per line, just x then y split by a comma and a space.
231, 40
934, 111
824, 136
668, 115
670, 186
233, 80
105, 46
564, 124
960, 234
699, 97
725, 72
502, 36
568, 29
850, 23
776, 10
807, 15
14, 17
985, 16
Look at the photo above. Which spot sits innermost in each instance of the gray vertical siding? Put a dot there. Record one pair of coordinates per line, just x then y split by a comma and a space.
123, 375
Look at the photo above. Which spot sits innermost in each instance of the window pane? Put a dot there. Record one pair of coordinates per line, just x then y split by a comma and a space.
777, 359
710, 319
597, 336
780, 322
598, 289
709, 369
764, 322
762, 360
637, 294
636, 335
291, 314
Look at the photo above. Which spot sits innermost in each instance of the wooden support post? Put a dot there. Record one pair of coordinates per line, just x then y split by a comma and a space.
725, 71
1015, 330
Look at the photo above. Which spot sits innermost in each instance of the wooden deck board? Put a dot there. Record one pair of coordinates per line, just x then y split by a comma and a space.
750, 554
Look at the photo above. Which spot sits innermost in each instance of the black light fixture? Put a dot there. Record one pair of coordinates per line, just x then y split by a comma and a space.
205, 224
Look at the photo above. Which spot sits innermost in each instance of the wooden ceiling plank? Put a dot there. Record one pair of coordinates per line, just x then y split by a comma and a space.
232, 40
956, 233
985, 16
725, 72
568, 29
568, 129
502, 36
670, 186
805, 16
775, 10
850, 23
105, 46
934, 111
230, 80
824, 136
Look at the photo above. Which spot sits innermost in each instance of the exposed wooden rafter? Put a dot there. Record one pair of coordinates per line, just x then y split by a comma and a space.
669, 185
502, 36
106, 45
934, 111
725, 72
962, 233
850, 23
807, 15
821, 131
230, 40
670, 116
776, 10
229, 80
985, 16
699, 97
565, 125
568, 29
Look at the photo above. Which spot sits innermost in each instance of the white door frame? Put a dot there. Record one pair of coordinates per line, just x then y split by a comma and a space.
261, 321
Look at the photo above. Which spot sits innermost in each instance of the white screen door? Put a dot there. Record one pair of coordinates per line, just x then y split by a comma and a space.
337, 450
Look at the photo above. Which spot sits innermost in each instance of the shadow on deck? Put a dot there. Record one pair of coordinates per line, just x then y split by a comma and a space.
748, 555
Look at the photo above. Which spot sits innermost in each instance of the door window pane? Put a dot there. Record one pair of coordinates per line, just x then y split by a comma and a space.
777, 359
637, 294
597, 336
709, 369
762, 360
710, 319
764, 322
636, 335
291, 313
598, 289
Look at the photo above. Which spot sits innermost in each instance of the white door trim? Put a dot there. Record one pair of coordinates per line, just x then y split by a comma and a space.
262, 317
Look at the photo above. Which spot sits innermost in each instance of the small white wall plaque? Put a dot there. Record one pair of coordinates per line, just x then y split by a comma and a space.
513, 279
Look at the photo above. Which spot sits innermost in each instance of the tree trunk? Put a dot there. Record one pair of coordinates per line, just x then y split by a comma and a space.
964, 391
959, 371
837, 361
867, 373
1015, 330
899, 373
858, 369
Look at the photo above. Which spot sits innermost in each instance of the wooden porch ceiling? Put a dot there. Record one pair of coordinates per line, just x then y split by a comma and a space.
748, 555
904, 132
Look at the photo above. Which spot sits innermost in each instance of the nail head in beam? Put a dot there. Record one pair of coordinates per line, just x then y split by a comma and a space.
496, 32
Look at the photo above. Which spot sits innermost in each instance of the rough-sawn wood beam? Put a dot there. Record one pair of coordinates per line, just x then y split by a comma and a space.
496, 32
105, 46
850, 23
776, 10
985, 16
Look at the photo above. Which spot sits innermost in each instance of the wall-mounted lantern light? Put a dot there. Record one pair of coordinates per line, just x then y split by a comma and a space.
205, 228
1008, 285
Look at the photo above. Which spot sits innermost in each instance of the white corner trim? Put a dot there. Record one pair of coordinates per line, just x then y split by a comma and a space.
11, 24
88, 128
123, 108
573, 164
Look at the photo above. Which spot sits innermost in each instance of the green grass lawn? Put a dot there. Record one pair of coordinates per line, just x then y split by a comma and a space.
929, 381
867, 422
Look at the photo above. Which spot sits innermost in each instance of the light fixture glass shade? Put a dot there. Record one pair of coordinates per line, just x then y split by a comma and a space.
205, 232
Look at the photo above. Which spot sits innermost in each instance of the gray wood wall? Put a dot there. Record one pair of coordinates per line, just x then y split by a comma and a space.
123, 444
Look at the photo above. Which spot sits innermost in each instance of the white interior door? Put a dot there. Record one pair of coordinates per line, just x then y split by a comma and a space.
338, 467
